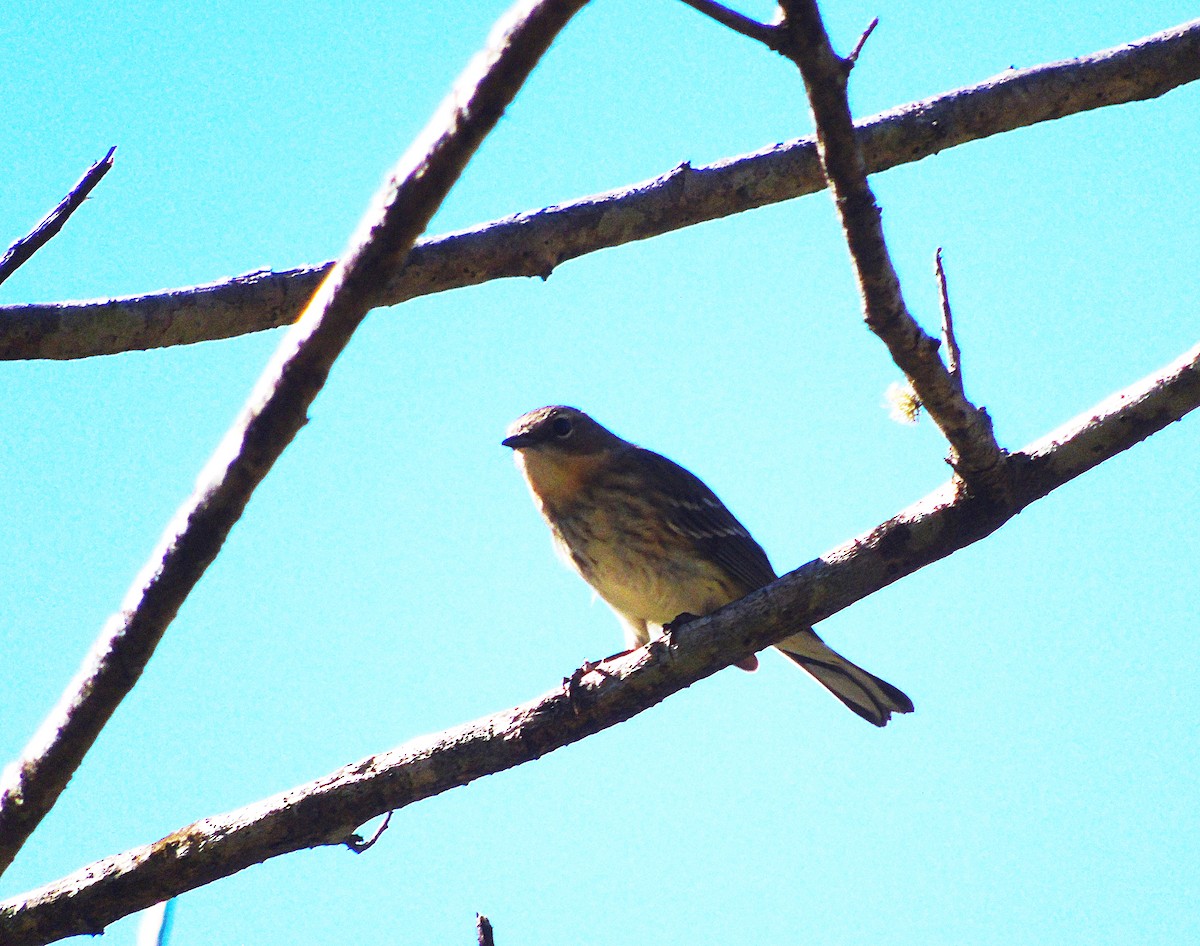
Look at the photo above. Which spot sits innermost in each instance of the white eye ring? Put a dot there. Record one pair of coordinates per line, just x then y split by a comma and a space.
562, 427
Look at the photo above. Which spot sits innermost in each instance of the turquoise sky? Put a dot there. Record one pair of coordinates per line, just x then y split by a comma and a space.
391, 577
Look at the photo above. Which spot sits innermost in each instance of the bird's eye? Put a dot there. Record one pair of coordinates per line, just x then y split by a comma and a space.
562, 427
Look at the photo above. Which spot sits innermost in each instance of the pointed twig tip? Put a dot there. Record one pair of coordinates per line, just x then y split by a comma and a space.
862, 41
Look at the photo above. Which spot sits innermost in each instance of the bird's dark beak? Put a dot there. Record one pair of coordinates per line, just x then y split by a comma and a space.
517, 441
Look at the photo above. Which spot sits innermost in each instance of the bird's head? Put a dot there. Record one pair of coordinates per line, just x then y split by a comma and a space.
559, 429
558, 448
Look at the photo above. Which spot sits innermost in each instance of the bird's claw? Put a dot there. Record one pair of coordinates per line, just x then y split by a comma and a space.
680, 620
580, 672
573, 682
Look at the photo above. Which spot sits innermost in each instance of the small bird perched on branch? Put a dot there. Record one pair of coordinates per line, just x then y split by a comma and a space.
656, 543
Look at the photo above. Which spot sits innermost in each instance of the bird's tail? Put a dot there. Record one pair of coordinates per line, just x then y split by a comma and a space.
871, 698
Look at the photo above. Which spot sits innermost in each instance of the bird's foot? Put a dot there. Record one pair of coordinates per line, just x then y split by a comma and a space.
680, 619
663, 643
575, 680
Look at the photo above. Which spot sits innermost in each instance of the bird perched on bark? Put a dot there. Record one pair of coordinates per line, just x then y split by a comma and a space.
656, 543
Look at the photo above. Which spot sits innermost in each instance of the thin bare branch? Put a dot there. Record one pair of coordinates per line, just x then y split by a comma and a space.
275, 412
949, 342
324, 811
534, 243
762, 32
974, 453
49, 225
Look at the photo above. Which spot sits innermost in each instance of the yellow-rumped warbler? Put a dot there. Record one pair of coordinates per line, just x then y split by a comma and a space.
656, 543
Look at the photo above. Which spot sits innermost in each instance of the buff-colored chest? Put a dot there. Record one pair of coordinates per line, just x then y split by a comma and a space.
557, 480
608, 542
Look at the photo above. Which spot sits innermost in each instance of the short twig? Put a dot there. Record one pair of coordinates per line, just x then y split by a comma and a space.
949, 342
862, 41
358, 845
483, 929
50, 224
765, 33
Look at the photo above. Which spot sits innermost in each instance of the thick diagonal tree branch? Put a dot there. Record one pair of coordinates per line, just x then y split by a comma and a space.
274, 414
535, 242
53, 222
974, 453
327, 810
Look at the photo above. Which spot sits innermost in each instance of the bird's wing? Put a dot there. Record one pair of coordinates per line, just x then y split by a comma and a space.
694, 511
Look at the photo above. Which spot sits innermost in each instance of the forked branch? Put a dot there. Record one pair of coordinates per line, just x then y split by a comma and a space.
974, 453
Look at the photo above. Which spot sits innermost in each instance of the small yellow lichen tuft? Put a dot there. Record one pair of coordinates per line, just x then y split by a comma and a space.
902, 402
